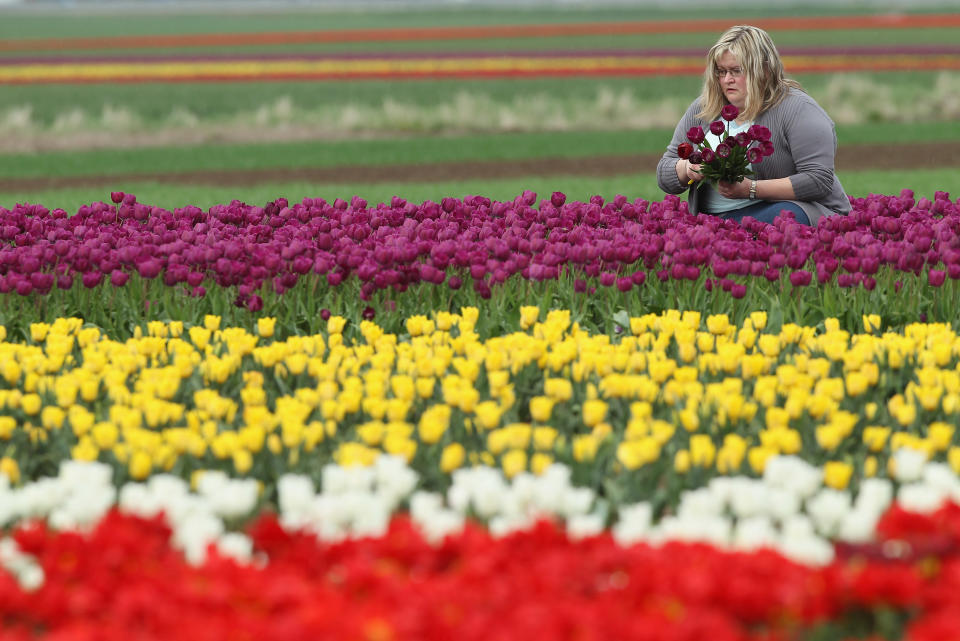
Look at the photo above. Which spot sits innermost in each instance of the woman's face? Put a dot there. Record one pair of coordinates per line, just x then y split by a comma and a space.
733, 82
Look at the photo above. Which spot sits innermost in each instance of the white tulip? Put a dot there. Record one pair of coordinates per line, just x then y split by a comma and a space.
921, 498
440, 524
31, 578
940, 475
501, 526
236, 546
794, 474
754, 532
810, 550
875, 495
295, 493
83, 474
908, 464
458, 497
797, 526
858, 526
576, 501
581, 526
425, 504
827, 509
700, 502
752, 499
168, 485
782, 503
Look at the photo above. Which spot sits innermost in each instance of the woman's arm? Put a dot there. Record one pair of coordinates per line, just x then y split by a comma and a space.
672, 171
812, 144
772, 189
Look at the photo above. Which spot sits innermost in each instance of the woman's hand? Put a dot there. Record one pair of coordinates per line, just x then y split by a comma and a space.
687, 172
734, 190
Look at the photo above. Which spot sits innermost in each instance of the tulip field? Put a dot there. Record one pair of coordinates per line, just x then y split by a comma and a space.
463, 404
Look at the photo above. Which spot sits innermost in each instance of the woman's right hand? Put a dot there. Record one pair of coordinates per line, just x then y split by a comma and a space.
688, 172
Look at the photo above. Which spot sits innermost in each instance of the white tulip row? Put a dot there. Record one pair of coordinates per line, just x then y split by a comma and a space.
788, 509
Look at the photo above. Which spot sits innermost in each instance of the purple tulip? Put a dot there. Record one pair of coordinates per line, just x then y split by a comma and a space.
118, 278
117, 197
936, 277
558, 198
738, 290
708, 155
800, 278
729, 112
696, 135
92, 278
723, 150
717, 127
754, 155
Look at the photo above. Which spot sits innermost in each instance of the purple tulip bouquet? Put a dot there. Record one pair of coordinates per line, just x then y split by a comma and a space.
731, 160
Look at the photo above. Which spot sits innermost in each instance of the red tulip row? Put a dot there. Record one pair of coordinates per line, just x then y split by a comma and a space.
104, 585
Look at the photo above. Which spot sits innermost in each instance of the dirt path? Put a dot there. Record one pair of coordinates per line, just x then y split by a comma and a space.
850, 158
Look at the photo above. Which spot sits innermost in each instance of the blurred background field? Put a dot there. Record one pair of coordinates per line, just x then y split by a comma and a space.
320, 102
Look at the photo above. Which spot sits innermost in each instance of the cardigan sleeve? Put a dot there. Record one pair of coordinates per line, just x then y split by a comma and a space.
667, 178
813, 146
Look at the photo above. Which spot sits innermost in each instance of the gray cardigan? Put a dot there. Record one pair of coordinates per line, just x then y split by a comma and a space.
804, 146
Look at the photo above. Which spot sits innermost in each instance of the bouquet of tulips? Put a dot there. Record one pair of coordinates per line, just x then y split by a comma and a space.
732, 158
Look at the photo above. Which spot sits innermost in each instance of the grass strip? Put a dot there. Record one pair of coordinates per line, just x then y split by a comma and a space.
857, 184
402, 151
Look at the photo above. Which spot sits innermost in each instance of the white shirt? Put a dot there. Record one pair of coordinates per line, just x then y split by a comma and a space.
710, 199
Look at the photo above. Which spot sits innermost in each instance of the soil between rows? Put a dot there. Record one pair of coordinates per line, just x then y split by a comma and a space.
849, 158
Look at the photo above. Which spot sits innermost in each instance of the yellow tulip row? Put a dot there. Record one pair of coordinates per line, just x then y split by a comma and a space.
680, 389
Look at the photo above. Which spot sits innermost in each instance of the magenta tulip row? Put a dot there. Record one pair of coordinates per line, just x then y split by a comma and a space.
396, 244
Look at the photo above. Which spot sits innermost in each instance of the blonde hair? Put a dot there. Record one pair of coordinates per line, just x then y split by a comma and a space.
758, 57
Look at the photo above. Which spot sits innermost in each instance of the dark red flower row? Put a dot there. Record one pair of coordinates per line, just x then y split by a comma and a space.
397, 244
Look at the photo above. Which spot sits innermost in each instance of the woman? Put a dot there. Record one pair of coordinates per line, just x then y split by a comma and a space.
744, 70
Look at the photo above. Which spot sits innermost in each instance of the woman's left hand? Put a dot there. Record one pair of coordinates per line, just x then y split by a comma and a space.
734, 190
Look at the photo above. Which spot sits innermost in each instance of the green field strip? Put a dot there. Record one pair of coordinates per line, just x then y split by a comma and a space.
857, 184
66, 23
400, 151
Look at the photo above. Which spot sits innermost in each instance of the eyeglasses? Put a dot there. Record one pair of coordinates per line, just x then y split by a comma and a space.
720, 72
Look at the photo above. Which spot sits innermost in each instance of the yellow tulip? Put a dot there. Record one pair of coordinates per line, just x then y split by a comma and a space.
539, 462
702, 450
758, 456
540, 408
513, 462
242, 461
434, 423
682, 461
836, 474
594, 411
585, 448
10, 468
529, 314
140, 465
7, 425
105, 435
558, 389
452, 457
30, 404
